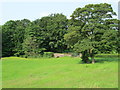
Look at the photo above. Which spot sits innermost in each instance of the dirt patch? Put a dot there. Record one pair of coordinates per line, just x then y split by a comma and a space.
57, 55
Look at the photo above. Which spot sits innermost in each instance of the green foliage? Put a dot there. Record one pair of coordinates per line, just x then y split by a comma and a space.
50, 31
48, 54
7, 38
92, 30
25, 38
13, 36
30, 47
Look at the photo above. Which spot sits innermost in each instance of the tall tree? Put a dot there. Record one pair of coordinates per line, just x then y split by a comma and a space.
30, 44
21, 28
13, 36
50, 32
88, 29
7, 38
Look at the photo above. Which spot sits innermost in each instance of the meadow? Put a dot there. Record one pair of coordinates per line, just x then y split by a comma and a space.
64, 72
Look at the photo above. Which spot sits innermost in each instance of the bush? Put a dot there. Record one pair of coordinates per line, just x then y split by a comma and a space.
32, 56
106, 55
75, 54
48, 54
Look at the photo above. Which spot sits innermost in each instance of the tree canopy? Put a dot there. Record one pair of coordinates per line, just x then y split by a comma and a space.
92, 29
23, 37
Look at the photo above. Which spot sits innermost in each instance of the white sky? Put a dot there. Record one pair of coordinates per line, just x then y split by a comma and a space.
34, 9
60, 0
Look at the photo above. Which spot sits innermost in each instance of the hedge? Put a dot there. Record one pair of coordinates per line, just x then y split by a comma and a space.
106, 55
48, 54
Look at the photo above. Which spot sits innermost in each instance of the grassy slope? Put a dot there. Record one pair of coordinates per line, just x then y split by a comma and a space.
65, 72
0, 74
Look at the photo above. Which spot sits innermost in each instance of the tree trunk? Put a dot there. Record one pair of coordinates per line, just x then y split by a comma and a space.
84, 57
86, 60
92, 56
93, 60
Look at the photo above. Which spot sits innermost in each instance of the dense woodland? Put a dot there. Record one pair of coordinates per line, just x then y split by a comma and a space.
90, 30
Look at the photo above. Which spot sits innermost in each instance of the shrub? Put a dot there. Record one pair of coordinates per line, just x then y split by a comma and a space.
48, 54
32, 56
75, 54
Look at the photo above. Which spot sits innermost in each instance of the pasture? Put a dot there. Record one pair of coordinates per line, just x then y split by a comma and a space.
63, 72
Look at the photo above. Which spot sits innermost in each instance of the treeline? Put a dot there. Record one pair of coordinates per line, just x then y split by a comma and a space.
23, 37
90, 30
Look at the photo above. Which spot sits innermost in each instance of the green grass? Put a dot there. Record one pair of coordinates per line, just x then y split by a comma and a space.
0, 74
64, 72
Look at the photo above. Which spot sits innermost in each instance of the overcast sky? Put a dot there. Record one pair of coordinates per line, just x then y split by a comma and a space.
34, 9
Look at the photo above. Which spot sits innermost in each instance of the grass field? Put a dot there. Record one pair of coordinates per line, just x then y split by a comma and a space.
64, 72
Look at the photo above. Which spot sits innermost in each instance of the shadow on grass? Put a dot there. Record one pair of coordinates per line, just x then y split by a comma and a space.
106, 59
102, 60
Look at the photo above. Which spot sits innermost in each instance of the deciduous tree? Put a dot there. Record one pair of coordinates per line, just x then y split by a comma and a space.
89, 27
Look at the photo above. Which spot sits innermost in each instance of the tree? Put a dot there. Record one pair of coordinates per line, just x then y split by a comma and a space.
13, 36
24, 37
109, 40
50, 32
8, 38
89, 27
21, 28
30, 44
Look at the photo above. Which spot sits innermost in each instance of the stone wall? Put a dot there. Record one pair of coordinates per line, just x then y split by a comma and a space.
56, 55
